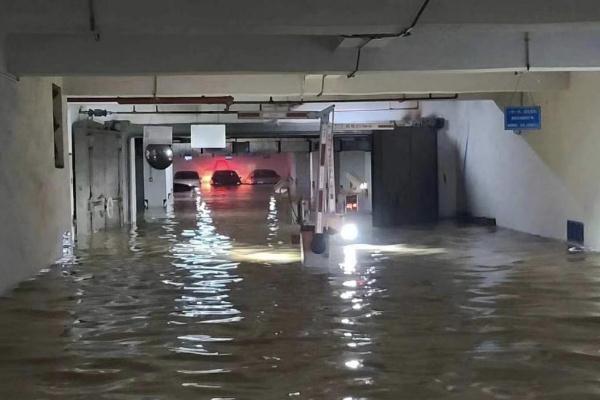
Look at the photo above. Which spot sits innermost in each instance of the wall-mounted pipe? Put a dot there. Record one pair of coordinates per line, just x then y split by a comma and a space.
229, 101
103, 112
226, 100
96, 112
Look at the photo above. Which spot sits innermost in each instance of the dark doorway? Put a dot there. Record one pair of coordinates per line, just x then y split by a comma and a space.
139, 175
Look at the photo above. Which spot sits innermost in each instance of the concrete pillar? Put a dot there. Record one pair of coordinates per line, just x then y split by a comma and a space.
158, 184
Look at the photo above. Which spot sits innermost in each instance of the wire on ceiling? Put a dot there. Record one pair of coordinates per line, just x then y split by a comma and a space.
374, 36
92, 20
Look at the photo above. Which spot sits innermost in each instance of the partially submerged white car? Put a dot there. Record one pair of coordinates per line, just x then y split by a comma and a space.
185, 181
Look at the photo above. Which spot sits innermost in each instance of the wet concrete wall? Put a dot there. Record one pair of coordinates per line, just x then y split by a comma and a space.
486, 171
533, 182
34, 201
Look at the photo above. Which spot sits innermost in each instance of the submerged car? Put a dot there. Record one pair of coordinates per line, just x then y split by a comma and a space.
263, 176
225, 177
185, 181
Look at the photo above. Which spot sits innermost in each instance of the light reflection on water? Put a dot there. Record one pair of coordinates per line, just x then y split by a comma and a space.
203, 254
210, 302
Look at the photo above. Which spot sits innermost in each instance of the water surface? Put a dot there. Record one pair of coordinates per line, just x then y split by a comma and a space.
211, 303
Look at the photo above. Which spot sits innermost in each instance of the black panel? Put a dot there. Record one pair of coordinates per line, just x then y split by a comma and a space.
358, 143
241, 147
57, 128
405, 186
575, 232
139, 174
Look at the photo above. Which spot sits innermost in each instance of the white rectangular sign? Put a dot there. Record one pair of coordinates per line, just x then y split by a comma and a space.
208, 137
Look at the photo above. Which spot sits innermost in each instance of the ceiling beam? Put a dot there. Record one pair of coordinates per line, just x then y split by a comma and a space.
423, 51
296, 86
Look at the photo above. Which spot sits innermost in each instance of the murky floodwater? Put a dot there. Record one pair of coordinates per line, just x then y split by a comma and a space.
211, 303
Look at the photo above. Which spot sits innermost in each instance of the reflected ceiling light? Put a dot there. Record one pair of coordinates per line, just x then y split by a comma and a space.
353, 364
349, 232
349, 258
347, 295
349, 264
266, 255
398, 249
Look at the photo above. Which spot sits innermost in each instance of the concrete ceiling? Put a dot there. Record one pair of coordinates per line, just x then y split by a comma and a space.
276, 17
304, 36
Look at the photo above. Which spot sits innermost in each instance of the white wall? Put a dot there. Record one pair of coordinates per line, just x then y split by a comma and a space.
35, 202
534, 182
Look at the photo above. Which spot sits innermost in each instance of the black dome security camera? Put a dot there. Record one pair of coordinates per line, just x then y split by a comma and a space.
159, 156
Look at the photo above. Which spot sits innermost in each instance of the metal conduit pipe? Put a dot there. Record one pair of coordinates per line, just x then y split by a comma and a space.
226, 100
229, 101
96, 112
400, 99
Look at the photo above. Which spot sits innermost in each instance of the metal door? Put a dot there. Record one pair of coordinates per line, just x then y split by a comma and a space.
405, 176
98, 180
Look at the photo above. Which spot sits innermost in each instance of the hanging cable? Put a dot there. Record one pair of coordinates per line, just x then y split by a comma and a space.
517, 84
322, 85
370, 37
527, 52
357, 66
8, 76
92, 20
526, 41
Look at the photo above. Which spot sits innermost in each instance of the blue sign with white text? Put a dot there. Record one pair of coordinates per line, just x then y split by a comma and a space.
522, 118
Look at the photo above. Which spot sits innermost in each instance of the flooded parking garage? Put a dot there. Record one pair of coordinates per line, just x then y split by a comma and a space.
316, 199
213, 302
